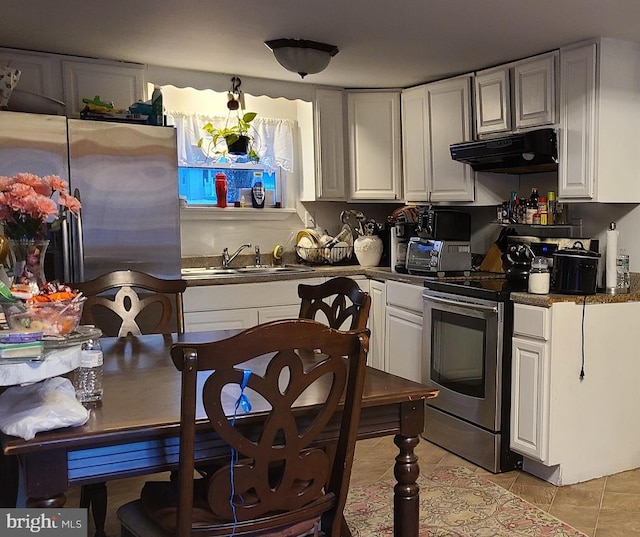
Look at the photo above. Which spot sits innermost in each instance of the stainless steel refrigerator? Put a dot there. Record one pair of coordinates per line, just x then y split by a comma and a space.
126, 177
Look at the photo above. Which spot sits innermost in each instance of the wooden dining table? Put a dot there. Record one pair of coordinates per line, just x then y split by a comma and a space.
135, 429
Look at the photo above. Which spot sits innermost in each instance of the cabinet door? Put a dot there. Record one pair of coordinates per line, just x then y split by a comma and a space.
493, 102
403, 347
449, 112
377, 324
276, 313
577, 122
118, 82
374, 145
220, 320
534, 87
530, 398
414, 144
329, 145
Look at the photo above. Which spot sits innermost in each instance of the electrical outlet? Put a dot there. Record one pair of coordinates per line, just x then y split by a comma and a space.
309, 220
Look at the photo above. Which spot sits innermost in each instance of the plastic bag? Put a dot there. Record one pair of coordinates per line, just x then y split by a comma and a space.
50, 404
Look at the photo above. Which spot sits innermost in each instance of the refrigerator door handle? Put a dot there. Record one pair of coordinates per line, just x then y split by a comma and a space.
66, 248
79, 243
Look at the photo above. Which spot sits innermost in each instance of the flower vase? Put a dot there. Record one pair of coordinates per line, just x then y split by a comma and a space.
27, 260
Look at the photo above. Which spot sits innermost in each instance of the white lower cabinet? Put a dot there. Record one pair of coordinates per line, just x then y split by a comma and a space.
378, 293
529, 401
530, 381
403, 330
225, 307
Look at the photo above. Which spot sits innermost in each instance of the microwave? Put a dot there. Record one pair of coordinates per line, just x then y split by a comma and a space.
444, 225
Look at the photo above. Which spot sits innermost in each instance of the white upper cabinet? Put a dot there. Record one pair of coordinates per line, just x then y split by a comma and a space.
493, 112
375, 167
328, 111
535, 91
414, 144
516, 96
599, 136
434, 116
449, 122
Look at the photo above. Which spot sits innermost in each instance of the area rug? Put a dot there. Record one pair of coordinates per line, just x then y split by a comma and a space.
454, 502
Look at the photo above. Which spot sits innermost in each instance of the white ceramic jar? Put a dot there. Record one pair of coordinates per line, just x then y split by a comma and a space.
539, 276
368, 250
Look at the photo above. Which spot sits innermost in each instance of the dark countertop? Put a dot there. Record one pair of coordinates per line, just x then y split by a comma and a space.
385, 274
321, 271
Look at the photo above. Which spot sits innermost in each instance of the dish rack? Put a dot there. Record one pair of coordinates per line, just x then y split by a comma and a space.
318, 255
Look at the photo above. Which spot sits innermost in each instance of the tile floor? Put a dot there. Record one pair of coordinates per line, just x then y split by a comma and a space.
605, 507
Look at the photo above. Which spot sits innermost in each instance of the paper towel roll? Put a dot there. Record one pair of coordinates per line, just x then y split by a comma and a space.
610, 260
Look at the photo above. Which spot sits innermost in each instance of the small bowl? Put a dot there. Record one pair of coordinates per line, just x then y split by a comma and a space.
52, 318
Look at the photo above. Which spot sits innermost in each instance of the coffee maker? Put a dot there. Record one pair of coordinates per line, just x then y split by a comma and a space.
401, 234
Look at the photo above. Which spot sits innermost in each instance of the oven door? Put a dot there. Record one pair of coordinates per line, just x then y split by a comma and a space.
462, 350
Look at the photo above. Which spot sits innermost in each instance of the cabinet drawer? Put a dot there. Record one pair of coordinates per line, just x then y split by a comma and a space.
532, 321
405, 296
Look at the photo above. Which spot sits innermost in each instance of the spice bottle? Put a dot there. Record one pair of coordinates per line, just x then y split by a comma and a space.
221, 189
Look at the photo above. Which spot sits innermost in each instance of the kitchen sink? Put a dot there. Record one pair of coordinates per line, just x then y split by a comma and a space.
269, 269
203, 272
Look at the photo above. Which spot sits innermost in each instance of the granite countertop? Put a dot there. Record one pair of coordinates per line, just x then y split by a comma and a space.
599, 298
386, 274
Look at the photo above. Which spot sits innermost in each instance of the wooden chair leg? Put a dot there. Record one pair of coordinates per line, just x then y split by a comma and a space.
95, 496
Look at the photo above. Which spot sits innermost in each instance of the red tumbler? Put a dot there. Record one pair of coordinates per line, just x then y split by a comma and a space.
221, 189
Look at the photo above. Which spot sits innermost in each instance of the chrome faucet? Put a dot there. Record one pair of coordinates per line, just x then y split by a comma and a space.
258, 257
226, 258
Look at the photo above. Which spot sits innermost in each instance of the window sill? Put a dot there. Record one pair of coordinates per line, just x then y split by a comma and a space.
233, 213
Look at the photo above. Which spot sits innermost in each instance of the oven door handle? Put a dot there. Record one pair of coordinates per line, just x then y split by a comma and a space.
470, 305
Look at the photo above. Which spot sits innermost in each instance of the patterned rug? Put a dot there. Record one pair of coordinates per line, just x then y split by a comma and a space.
454, 502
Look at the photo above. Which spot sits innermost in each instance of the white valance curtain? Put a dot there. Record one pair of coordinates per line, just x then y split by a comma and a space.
273, 139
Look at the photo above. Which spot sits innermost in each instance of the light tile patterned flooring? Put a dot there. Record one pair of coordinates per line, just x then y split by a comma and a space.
605, 507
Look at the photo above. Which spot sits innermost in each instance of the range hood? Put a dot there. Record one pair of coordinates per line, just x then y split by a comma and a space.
523, 152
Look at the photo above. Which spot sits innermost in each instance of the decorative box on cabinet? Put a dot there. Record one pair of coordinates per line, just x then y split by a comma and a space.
598, 139
375, 166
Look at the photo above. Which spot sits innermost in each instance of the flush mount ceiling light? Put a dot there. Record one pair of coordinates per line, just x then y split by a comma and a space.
302, 56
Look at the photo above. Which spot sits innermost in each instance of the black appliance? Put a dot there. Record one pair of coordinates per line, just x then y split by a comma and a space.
524, 152
468, 325
444, 225
575, 270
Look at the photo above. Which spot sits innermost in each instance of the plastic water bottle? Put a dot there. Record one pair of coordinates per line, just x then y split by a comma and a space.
87, 378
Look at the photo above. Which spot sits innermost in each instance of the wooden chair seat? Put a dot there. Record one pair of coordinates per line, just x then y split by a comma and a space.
281, 481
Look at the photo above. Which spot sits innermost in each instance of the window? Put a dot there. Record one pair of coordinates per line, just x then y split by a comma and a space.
197, 183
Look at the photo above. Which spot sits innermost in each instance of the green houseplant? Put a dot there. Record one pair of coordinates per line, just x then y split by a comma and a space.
236, 137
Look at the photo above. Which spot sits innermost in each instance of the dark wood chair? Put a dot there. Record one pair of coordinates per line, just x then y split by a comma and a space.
279, 482
114, 304
135, 293
338, 300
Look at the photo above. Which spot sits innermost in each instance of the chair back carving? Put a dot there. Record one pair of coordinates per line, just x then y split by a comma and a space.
135, 292
280, 478
339, 300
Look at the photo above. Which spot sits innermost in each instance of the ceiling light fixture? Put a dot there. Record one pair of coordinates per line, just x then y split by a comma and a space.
302, 56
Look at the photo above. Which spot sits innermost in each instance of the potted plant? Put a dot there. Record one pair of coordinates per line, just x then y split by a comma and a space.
236, 137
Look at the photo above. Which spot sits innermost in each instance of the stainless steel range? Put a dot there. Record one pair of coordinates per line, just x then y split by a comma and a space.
468, 325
